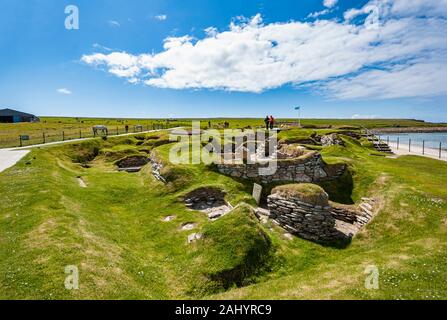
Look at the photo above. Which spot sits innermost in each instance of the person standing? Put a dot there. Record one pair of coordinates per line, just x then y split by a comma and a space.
267, 122
272, 122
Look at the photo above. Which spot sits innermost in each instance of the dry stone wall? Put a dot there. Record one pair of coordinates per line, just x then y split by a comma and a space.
319, 223
308, 168
308, 221
358, 216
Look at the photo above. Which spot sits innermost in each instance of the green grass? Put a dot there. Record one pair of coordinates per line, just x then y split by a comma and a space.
307, 192
236, 249
51, 129
113, 231
406, 241
323, 123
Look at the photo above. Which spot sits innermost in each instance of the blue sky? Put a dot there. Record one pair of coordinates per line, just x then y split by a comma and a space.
155, 59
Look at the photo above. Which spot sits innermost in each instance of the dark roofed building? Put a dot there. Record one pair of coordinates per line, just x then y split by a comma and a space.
13, 116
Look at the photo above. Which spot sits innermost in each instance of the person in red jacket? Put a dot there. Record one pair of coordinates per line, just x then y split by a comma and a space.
272, 122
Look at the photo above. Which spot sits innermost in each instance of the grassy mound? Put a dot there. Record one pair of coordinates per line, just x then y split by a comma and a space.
118, 152
114, 231
156, 142
306, 192
83, 152
236, 249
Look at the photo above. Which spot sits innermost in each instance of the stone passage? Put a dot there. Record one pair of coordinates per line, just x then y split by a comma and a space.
304, 210
132, 163
208, 200
331, 140
306, 168
351, 219
157, 166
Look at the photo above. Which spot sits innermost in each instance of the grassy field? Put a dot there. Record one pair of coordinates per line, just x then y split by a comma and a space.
51, 129
113, 230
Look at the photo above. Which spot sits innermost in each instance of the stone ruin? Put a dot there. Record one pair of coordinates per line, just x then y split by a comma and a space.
290, 151
305, 210
208, 200
132, 163
331, 140
157, 166
306, 168
294, 163
313, 218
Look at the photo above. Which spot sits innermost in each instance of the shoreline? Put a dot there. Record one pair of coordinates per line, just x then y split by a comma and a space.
410, 130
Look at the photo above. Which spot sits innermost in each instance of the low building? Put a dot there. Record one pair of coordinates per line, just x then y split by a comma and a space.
13, 116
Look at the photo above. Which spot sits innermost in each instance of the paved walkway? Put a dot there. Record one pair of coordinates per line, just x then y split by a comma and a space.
417, 151
10, 156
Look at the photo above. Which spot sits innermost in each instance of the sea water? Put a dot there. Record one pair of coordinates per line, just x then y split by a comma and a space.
432, 139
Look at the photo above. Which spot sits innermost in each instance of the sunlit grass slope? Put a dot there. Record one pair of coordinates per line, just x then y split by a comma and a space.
113, 230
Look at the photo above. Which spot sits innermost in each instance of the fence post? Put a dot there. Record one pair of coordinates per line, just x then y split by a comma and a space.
117, 131
440, 145
409, 145
80, 134
397, 143
20, 138
43, 135
63, 135
388, 140
423, 147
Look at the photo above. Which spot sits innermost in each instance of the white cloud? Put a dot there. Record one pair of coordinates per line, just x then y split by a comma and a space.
319, 13
406, 56
418, 80
173, 42
114, 23
64, 91
414, 7
211, 31
120, 64
401, 8
101, 47
329, 3
161, 17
